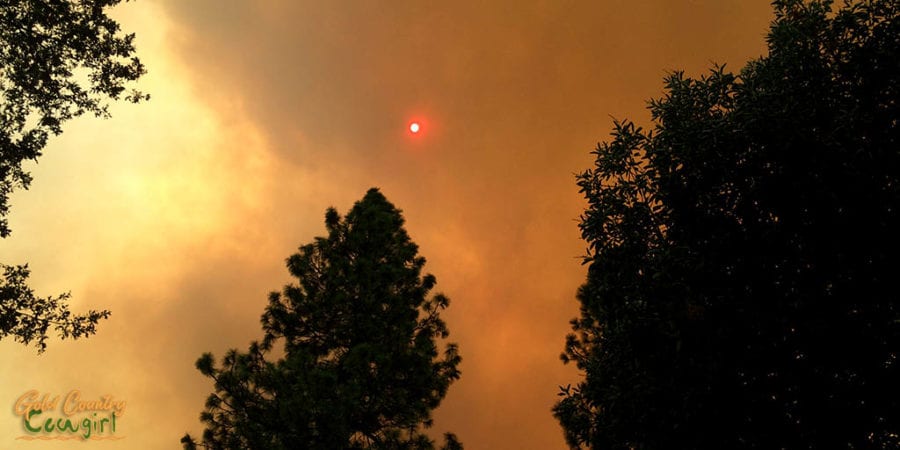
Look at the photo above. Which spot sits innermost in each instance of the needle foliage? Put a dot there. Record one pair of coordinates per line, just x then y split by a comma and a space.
360, 334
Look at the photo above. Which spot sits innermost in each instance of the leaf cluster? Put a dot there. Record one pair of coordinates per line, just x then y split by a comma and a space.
28, 318
742, 254
58, 60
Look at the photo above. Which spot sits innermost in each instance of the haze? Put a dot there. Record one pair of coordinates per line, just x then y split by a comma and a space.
178, 214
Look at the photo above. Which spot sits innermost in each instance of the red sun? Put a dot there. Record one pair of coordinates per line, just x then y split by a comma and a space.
414, 127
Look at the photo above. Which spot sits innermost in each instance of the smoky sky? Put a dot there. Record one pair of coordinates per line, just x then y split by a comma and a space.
178, 214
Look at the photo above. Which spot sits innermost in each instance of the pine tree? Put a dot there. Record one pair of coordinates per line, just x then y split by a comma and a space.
360, 336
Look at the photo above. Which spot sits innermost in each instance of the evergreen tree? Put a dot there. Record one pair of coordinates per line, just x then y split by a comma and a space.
360, 368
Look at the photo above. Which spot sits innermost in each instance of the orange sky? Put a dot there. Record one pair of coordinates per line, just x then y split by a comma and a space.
178, 214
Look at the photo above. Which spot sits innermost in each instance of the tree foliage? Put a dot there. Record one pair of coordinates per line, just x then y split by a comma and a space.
741, 288
360, 337
58, 60
28, 318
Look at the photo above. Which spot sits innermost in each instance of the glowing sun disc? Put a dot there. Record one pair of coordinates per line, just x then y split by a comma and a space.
414, 127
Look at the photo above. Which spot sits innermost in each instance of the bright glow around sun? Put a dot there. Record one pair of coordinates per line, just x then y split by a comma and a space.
414, 127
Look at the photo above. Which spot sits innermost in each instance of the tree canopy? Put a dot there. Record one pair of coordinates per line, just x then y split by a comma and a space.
741, 288
59, 59
359, 333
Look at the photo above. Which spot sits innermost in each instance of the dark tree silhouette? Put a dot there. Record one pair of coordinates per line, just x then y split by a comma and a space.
28, 318
58, 59
360, 366
741, 289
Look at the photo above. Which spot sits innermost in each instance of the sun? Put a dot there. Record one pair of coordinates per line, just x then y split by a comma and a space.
414, 127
